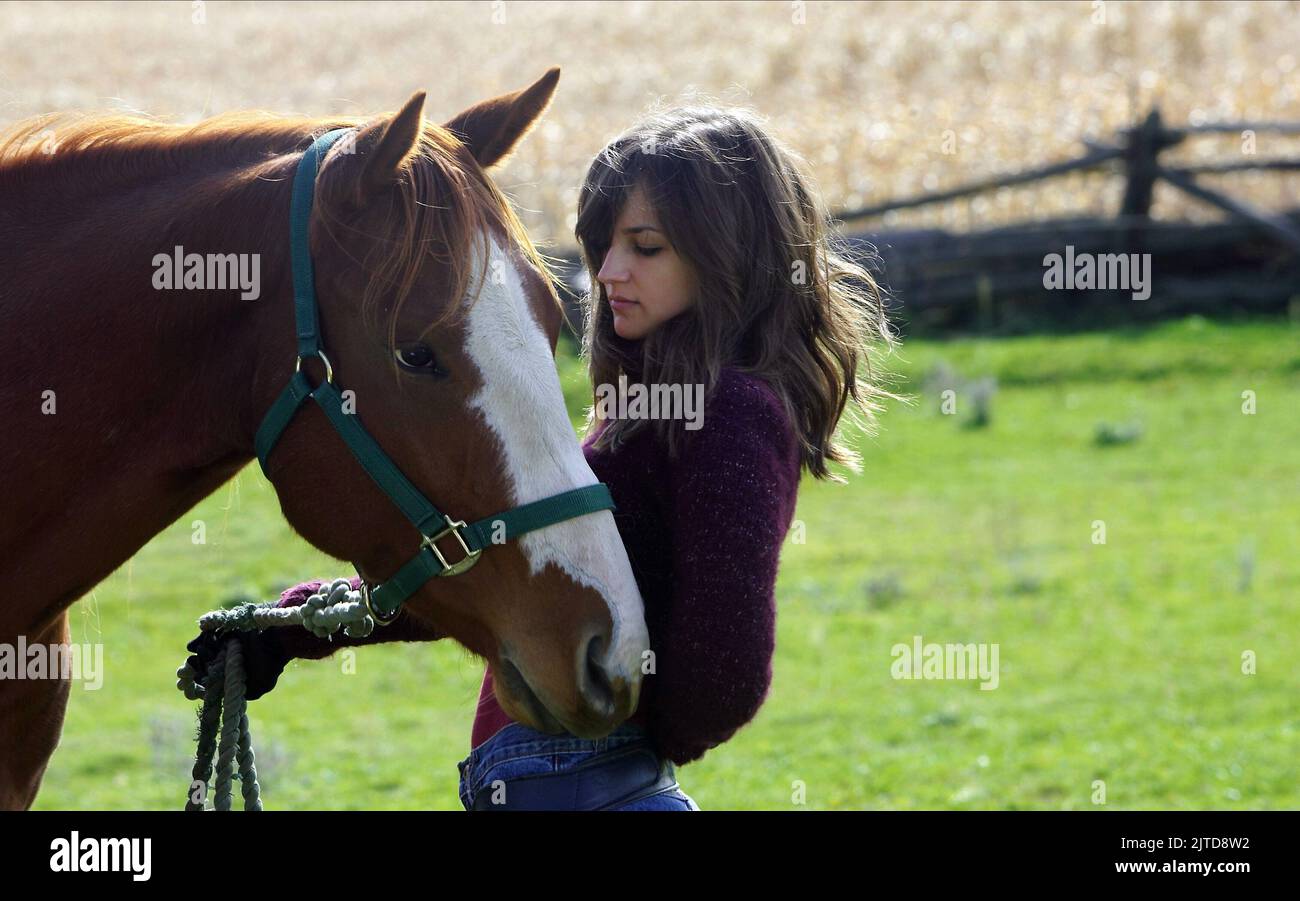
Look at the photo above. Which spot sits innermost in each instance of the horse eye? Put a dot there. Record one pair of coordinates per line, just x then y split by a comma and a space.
418, 358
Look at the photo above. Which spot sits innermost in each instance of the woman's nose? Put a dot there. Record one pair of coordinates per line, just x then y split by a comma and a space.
612, 269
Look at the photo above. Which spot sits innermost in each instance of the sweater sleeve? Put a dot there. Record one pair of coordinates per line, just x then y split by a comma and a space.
299, 643
733, 495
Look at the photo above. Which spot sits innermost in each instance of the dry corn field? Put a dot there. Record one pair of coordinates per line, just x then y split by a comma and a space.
884, 100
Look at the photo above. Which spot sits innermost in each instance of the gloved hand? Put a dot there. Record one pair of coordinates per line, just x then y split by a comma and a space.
264, 658
266, 653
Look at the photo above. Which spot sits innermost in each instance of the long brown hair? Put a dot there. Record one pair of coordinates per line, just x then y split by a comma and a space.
776, 300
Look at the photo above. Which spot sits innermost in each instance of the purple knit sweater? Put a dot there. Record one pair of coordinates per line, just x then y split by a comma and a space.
704, 536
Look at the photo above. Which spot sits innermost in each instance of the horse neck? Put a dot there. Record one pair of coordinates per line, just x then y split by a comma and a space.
156, 394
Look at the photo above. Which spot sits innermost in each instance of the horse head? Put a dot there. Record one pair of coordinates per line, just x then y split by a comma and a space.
440, 324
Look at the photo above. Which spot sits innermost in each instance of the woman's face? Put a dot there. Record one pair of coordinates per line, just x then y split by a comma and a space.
644, 270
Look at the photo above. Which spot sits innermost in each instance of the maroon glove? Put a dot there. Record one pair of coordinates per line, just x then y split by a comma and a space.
265, 653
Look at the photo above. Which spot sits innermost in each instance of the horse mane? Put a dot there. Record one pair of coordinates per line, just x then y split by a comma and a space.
103, 138
107, 148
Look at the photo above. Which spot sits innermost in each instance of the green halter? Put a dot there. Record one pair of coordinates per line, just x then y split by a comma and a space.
384, 600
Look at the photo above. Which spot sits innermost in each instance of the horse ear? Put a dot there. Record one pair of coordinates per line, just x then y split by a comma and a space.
493, 128
389, 143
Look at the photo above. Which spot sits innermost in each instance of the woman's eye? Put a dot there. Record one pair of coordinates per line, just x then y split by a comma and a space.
418, 358
648, 251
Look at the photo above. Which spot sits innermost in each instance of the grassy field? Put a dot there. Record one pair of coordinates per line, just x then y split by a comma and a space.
1119, 662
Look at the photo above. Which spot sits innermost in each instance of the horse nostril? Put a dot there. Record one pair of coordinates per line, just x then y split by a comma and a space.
600, 689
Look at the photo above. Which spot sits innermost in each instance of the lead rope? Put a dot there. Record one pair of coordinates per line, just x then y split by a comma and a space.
224, 712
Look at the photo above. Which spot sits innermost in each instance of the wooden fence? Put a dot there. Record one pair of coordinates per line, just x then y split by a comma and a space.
993, 279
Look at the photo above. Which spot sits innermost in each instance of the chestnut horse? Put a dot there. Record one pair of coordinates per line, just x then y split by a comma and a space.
126, 399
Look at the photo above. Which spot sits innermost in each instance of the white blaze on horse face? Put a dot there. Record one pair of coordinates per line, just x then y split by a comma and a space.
523, 404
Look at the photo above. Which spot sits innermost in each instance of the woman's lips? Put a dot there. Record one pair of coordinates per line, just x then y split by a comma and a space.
619, 304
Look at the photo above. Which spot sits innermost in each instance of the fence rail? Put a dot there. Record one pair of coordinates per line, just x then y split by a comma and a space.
993, 278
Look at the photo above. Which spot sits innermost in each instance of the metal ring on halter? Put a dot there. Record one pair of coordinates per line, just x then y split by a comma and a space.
329, 370
370, 608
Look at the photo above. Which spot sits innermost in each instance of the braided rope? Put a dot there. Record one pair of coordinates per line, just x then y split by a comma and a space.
225, 711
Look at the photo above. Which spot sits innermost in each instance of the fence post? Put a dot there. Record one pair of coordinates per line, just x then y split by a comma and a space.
1143, 145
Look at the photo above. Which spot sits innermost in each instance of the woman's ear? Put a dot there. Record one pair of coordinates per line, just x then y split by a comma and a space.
493, 128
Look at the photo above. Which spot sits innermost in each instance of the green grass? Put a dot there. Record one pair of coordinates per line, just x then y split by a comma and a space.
1119, 662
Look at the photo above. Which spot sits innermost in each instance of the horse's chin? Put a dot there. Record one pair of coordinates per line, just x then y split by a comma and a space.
520, 702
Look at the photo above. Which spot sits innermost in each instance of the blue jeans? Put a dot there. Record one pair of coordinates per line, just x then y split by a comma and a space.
517, 750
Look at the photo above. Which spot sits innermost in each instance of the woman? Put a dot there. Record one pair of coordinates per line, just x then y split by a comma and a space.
711, 266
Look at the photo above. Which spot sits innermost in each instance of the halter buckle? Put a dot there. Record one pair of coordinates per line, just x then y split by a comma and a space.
470, 558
